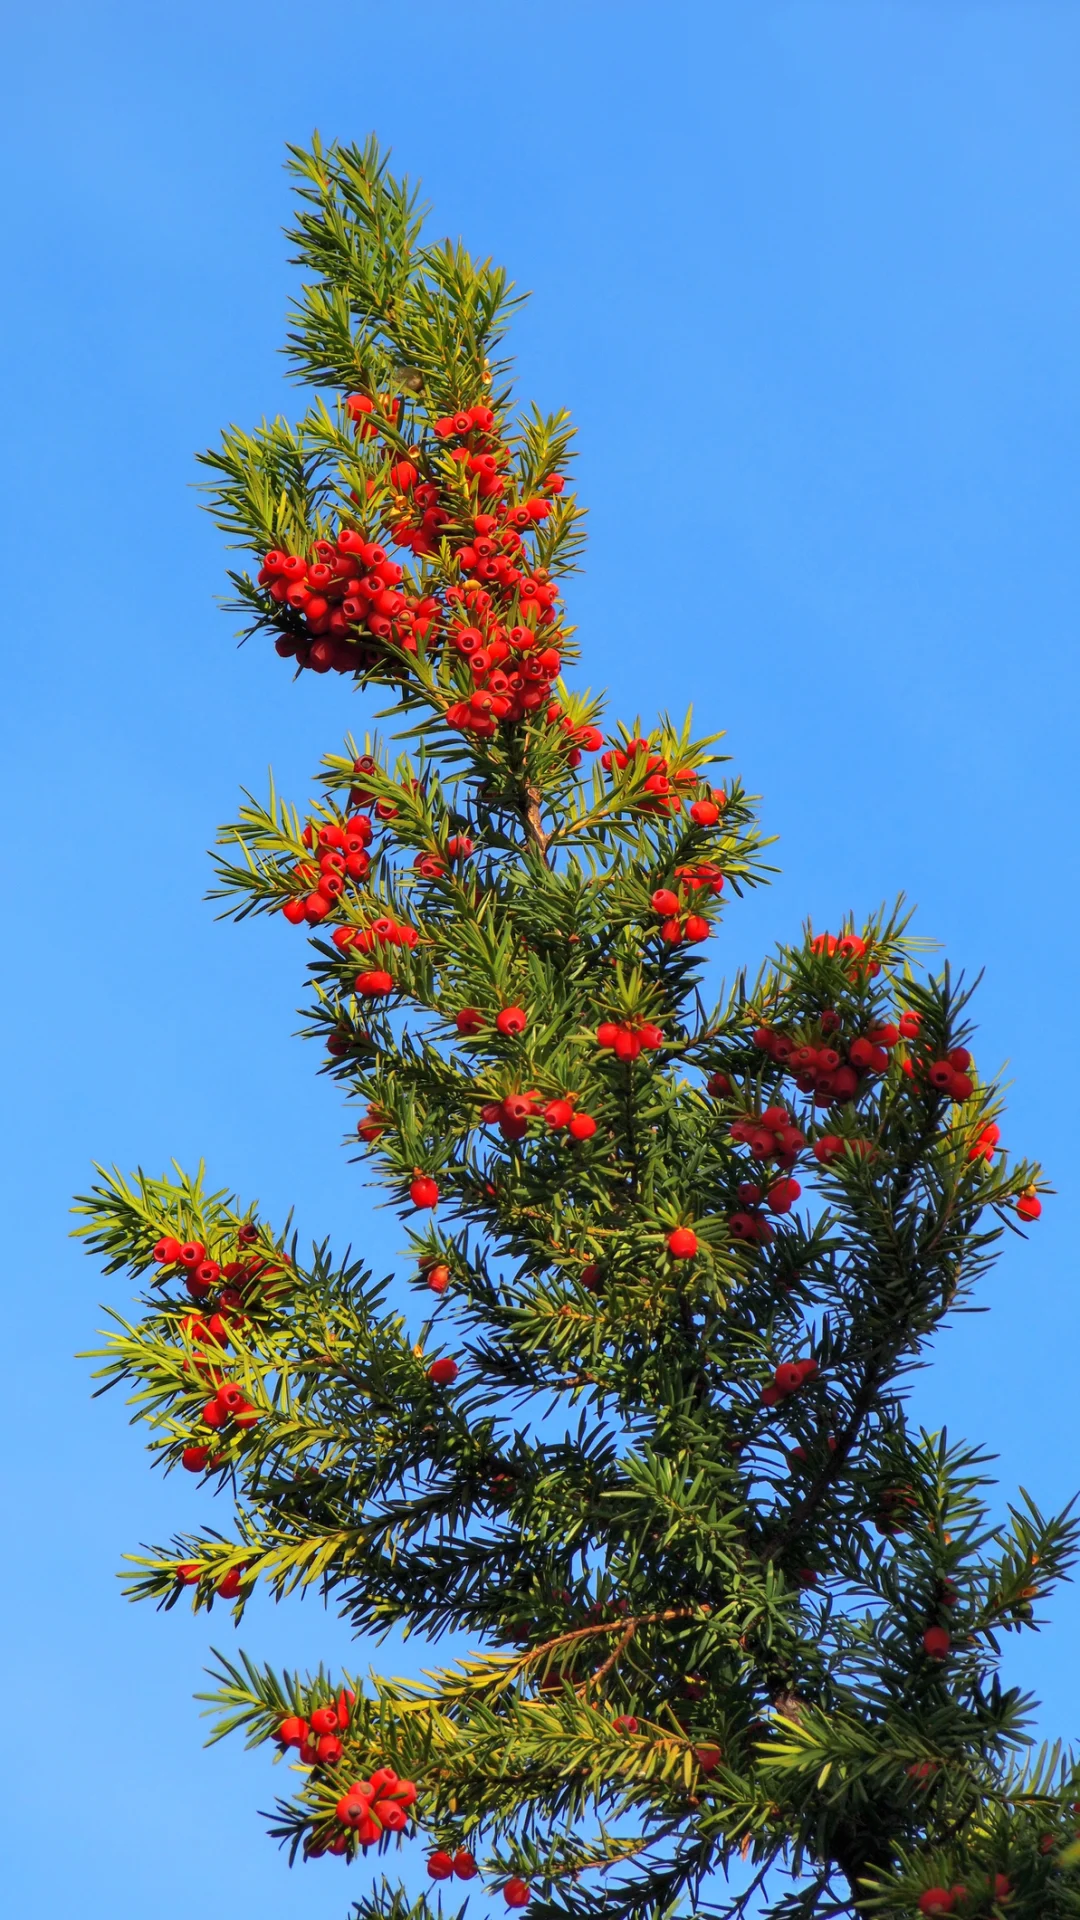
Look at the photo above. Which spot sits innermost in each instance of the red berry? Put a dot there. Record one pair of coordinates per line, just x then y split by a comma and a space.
782, 1195
788, 1377
167, 1251
469, 1020
443, 1373
293, 1732
708, 1758
438, 1278
391, 1815
607, 1033
626, 1723
375, 984
742, 1226
324, 1720
936, 1643
517, 1893
936, 1900
591, 1278
465, 1867
664, 901
582, 1126
194, 1458
188, 1573
1029, 1206
828, 1148
696, 927
910, 1024
230, 1583
329, 1750
512, 1020
353, 1807
424, 1191
985, 1144
440, 1866
682, 1244
558, 1114
704, 813
886, 1036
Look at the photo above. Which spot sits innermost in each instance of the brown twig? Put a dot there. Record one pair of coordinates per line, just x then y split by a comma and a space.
616, 1652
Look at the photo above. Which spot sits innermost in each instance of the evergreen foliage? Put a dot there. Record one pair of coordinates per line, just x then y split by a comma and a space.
737, 1626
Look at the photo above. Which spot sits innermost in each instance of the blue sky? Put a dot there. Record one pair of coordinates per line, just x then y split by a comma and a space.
807, 270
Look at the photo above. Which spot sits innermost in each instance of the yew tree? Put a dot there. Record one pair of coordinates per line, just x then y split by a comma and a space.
628, 1424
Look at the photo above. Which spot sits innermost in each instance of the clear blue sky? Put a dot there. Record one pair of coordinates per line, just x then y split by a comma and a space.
814, 268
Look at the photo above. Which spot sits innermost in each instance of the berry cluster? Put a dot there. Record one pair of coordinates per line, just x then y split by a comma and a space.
986, 1145
339, 855
460, 1865
945, 1900
189, 1573
344, 604
370, 1808
581, 737
318, 1738
513, 1114
375, 983
246, 1276
749, 1223
679, 924
770, 1135
434, 864
788, 1379
662, 788
847, 946
819, 1067
347, 599
250, 1281
511, 662
627, 1038
829, 1147
948, 1075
